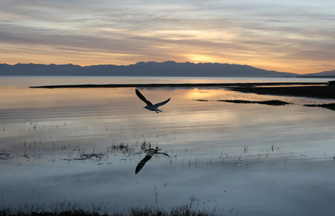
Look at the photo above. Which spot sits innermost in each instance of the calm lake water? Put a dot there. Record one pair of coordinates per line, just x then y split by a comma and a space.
82, 146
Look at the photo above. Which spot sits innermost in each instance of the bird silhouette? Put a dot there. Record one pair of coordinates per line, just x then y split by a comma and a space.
150, 106
150, 153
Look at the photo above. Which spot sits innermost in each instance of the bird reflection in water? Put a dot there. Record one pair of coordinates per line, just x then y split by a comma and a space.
150, 153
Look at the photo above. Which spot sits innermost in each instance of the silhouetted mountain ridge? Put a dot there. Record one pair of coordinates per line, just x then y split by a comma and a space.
322, 74
167, 68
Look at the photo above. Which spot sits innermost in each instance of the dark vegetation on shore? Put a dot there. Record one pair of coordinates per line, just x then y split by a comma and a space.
181, 85
317, 91
299, 89
267, 102
330, 106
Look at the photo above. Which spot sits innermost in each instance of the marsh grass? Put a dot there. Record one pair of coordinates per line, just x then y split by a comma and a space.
183, 210
120, 147
5, 156
39, 150
145, 145
77, 209
93, 156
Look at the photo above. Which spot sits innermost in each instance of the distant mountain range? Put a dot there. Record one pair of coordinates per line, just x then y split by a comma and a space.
168, 68
322, 74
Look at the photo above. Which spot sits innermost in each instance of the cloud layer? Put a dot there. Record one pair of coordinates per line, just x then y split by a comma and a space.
288, 35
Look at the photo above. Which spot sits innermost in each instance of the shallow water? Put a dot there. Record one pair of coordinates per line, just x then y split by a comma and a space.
232, 157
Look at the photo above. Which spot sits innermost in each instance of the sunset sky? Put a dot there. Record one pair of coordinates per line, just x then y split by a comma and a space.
287, 35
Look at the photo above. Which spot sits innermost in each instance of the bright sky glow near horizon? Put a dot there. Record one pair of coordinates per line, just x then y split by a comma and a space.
289, 35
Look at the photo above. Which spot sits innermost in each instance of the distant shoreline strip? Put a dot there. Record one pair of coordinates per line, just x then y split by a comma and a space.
297, 89
180, 85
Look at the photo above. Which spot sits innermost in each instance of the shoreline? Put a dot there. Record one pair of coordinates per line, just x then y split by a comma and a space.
324, 92
296, 89
179, 85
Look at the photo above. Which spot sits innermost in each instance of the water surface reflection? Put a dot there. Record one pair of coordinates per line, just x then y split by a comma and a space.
65, 144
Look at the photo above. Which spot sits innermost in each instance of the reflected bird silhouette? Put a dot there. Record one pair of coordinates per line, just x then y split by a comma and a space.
150, 153
149, 105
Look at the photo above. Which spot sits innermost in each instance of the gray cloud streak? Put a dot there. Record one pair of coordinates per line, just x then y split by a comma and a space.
159, 29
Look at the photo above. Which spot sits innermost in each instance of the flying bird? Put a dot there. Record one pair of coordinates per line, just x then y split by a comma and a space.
150, 153
149, 105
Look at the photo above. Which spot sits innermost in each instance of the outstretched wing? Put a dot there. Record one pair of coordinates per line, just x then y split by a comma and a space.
161, 103
141, 164
138, 93
163, 153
